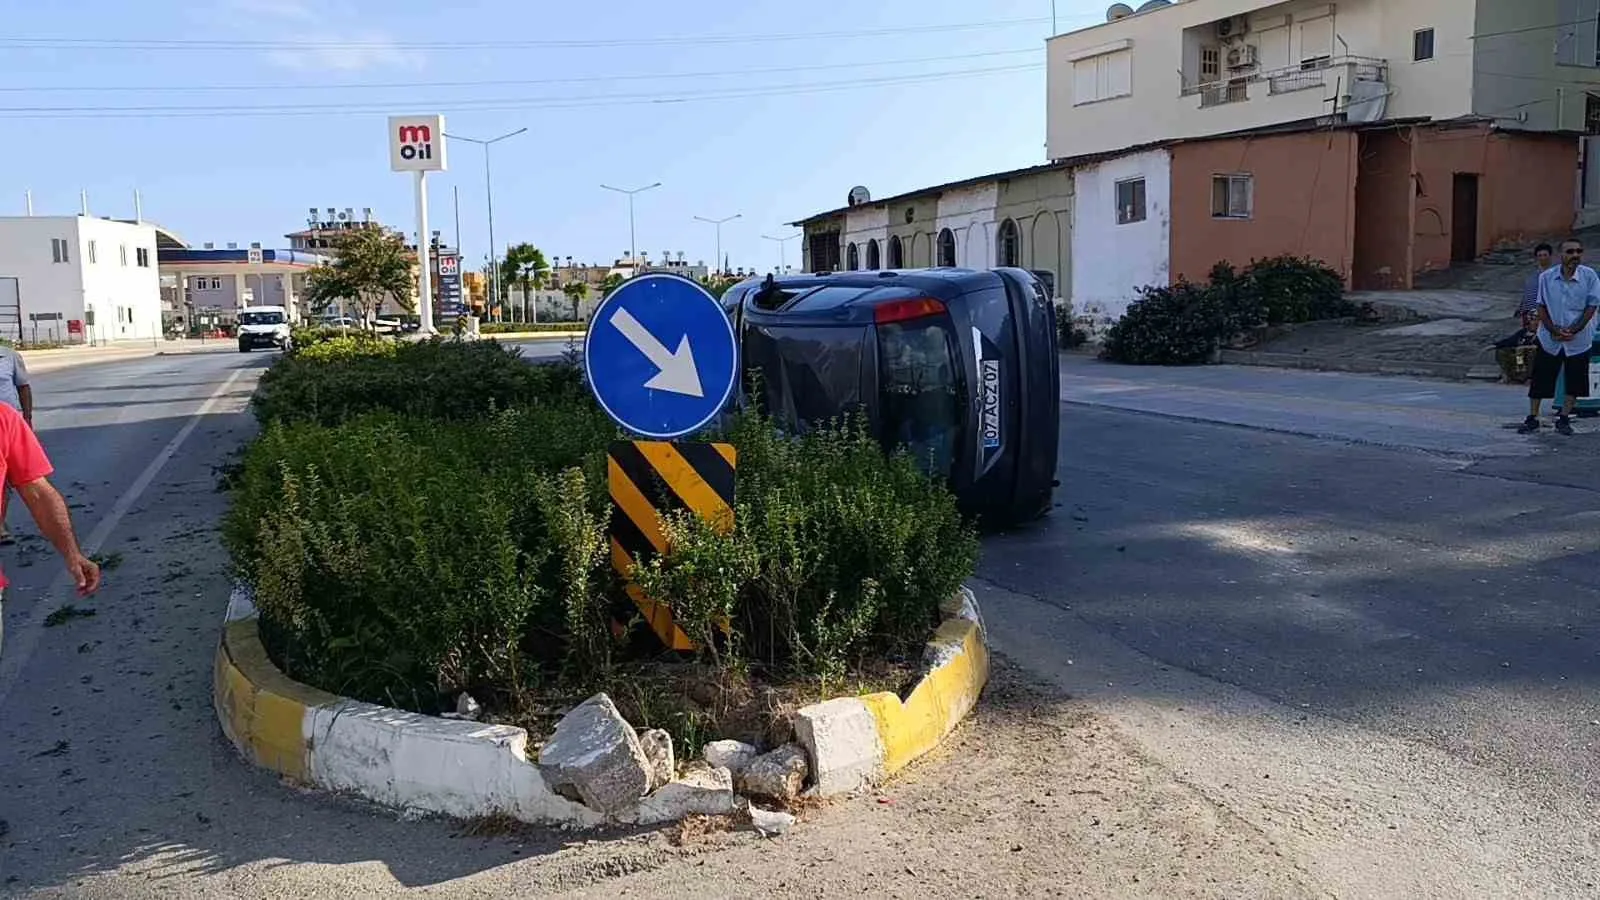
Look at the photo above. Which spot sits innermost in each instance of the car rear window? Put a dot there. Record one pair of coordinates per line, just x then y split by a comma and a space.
826, 298
921, 402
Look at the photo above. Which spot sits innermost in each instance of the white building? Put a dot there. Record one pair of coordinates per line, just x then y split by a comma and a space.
99, 273
1205, 67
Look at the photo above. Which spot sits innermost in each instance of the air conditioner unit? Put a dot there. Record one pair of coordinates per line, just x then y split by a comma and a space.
1242, 57
1232, 27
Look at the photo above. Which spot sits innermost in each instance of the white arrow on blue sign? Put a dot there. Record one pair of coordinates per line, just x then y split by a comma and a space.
661, 356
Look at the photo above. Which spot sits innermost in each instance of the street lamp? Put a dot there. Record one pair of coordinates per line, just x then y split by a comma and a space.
780, 241
633, 247
488, 191
719, 223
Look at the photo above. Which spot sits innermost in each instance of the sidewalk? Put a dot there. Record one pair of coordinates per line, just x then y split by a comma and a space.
67, 357
1457, 419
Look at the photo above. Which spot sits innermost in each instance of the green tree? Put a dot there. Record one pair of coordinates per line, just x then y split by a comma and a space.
370, 265
610, 283
525, 264
575, 291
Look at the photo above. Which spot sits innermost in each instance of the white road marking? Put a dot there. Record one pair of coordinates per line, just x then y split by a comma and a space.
21, 638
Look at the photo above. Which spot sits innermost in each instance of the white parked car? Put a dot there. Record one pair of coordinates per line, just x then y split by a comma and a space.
263, 326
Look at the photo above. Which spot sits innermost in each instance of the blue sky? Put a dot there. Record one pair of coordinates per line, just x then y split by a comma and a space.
244, 113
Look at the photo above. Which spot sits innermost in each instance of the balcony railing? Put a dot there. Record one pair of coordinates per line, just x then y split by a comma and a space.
1309, 74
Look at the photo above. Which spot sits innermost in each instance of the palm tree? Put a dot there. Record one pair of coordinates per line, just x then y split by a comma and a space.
526, 265
575, 291
610, 283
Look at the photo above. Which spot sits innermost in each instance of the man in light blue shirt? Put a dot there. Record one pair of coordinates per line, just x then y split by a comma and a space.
1569, 295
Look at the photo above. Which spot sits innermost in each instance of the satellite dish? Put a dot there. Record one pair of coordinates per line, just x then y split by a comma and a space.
1153, 4
859, 195
1118, 11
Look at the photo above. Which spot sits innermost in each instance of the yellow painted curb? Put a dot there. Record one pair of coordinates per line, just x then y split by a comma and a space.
857, 742
262, 711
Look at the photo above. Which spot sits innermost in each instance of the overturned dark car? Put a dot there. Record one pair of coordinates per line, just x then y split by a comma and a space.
957, 365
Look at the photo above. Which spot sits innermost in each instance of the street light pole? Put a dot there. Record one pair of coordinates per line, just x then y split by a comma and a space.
780, 241
488, 191
718, 223
633, 246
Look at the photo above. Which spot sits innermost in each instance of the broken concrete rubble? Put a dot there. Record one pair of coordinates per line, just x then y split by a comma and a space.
703, 790
657, 746
595, 753
732, 755
779, 775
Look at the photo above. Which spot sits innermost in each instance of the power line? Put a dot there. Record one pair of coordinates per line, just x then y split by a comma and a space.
589, 79
496, 104
225, 44
1529, 29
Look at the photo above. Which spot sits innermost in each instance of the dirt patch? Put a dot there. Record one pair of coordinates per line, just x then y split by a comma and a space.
698, 703
1035, 796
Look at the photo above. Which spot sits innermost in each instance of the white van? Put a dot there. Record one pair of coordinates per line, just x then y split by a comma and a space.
263, 326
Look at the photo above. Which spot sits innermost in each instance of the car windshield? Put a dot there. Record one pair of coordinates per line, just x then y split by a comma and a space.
261, 318
921, 399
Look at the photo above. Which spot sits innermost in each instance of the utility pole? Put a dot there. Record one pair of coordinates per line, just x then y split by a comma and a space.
633, 246
780, 241
488, 192
719, 223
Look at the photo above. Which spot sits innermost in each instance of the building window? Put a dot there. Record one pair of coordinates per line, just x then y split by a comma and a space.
1103, 77
1130, 201
873, 260
58, 251
852, 257
1231, 196
1210, 64
141, 257
216, 284
1422, 45
1008, 249
897, 257
94, 256
1591, 114
947, 248
124, 253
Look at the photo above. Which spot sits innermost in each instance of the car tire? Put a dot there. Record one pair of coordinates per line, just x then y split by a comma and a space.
244, 348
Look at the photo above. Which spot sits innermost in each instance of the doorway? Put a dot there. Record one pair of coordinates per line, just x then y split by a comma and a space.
1464, 218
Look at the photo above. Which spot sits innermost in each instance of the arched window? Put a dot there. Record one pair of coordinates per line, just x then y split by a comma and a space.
897, 256
1009, 248
873, 262
947, 248
852, 258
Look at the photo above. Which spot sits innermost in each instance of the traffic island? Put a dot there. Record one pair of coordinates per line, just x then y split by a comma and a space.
595, 768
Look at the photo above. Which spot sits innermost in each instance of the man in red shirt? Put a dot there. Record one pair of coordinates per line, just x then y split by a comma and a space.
24, 467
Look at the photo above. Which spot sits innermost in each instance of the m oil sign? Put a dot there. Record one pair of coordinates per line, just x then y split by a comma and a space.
416, 143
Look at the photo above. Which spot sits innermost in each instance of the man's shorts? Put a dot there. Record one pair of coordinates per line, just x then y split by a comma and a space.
1548, 367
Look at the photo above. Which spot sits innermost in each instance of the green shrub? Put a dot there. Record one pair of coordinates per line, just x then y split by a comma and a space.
440, 379
399, 560
855, 550
528, 327
349, 346
1175, 326
1295, 289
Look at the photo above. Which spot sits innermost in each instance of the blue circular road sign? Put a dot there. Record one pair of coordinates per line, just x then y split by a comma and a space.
661, 356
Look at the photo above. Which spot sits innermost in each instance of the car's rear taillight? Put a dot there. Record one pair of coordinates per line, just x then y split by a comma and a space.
905, 310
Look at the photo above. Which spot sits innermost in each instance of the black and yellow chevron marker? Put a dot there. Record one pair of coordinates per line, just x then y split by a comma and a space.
649, 480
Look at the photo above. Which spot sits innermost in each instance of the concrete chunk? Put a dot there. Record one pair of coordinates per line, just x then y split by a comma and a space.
841, 735
734, 756
779, 775
657, 746
595, 753
703, 790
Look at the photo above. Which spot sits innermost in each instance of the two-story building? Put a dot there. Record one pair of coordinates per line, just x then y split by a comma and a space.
79, 278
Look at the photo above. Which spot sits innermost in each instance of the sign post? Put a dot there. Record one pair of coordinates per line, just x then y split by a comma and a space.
416, 144
662, 394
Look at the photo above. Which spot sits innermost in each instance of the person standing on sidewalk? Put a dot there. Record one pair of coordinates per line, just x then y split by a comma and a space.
1569, 295
17, 393
25, 469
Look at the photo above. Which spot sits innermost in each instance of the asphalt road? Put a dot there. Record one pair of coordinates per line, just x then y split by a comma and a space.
1359, 617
